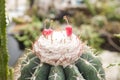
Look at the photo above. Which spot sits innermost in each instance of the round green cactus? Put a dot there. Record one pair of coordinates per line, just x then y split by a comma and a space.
88, 67
61, 55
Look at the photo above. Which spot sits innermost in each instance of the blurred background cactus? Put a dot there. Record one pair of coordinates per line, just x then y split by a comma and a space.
28, 33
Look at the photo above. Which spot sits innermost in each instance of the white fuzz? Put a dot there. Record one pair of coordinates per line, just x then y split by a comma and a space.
58, 48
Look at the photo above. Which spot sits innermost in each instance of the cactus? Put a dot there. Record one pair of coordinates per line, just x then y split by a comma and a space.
61, 58
3, 49
88, 67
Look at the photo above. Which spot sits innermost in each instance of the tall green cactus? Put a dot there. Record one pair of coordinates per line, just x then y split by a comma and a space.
3, 49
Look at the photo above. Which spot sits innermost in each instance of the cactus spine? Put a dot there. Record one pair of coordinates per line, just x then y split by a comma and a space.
3, 49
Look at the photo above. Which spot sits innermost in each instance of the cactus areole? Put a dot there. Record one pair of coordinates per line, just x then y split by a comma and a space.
61, 55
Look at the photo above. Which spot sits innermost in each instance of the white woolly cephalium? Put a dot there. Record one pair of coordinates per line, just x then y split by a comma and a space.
58, 48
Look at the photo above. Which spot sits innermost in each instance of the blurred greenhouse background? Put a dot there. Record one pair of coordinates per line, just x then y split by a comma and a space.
96, 22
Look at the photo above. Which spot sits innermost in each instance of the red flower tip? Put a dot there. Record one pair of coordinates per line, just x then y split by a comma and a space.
68, 30
47, 32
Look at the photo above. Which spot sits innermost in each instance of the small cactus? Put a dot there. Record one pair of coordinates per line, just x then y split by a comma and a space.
59, 56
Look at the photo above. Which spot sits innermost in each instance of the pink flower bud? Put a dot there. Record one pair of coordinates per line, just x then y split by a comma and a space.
68, 30
47, 32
